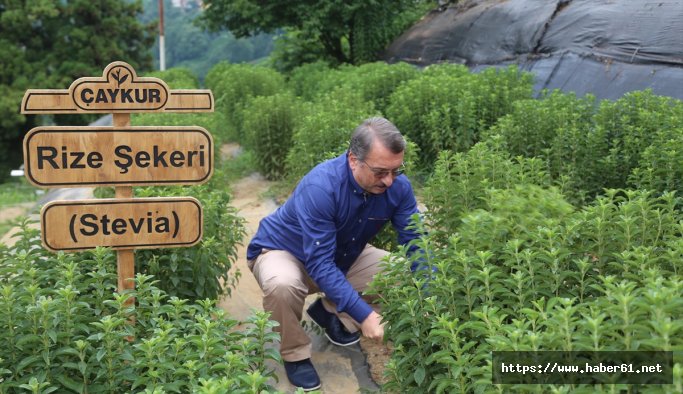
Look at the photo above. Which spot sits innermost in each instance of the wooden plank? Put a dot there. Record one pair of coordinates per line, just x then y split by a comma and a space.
118, 90
46, 101
43, 101
190, 101
139, 223
60, 156
125, 258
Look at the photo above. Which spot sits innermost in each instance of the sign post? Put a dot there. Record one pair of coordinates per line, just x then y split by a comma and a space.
121, 156
125, 258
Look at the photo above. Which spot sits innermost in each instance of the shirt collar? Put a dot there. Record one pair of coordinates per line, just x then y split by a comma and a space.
355, 187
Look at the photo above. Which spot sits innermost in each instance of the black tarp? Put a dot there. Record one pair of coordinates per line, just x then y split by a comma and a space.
602, 47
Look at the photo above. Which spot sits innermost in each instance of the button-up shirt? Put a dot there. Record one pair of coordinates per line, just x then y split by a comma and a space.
327, 222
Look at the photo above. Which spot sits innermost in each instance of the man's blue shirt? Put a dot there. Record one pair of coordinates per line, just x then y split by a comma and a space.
328, 221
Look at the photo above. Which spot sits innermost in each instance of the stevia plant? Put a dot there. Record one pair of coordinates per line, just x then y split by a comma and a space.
268, 125
65, 329
460, 180
523, 271
233, 85
589, 146
448, 109
204, 270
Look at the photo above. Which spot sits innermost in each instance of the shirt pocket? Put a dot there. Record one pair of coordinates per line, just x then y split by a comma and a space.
375, 223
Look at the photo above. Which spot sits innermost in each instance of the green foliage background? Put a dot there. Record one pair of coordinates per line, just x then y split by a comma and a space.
335, 31
49, 44
189, 46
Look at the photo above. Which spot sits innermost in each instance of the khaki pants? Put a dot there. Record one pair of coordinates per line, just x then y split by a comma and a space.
286, 284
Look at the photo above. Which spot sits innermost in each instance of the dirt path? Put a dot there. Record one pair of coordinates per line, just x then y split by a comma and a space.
31, 209
14, 211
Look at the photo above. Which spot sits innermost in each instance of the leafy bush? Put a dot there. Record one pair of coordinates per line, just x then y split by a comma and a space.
533, 127
200, 271
177, 78
194, 272
375, 82
595, 148
325, 128
269, 122
661, 164
323, 80
305, 80
232, 86
411, 103
444, 110
65, 329
627, 127
528, 272
460, 182
556, 128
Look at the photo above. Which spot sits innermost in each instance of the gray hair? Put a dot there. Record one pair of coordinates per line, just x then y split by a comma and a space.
377, 127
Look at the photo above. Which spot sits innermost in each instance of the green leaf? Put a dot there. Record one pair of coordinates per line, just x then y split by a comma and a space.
28, 361
70, 383
71, 365
53, 335
419, 375
27, 339
64, 352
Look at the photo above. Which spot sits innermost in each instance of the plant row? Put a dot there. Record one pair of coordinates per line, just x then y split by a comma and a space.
291, 122
511, 265
64, 328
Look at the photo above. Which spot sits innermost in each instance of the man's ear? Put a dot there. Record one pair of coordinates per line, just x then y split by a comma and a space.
353, 161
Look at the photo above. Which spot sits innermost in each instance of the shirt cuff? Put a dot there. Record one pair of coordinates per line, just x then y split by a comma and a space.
360, 310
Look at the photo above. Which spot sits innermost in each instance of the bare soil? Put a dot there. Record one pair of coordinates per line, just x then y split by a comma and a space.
14, 211
378, 355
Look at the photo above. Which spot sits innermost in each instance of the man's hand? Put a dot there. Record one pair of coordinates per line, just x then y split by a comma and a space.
372, 327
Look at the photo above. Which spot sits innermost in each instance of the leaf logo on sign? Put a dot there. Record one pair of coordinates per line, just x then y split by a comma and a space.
116, 75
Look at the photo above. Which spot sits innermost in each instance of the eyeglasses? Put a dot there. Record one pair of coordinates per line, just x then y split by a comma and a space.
382, 172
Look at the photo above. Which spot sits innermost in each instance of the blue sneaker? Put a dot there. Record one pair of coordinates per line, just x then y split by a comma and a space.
330, 323
301, 374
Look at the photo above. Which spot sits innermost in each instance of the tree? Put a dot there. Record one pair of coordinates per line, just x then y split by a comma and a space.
48, 44
349, 31
189, 45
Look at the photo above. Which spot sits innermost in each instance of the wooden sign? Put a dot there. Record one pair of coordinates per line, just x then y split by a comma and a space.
120, 156
121, 223
106, 156
118, 90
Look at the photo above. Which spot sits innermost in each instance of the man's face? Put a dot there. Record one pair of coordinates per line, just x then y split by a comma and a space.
379, 169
